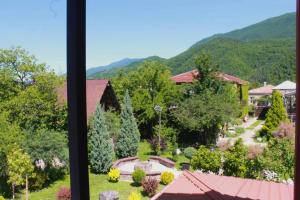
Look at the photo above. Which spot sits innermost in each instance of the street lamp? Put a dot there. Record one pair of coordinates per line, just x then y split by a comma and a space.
158, 109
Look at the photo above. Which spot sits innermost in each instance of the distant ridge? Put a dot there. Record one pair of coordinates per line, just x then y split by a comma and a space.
264, 51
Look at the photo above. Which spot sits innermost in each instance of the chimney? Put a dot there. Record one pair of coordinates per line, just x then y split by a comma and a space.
265, 83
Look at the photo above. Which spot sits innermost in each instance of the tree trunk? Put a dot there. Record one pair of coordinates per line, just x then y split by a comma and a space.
13, 191
27, 196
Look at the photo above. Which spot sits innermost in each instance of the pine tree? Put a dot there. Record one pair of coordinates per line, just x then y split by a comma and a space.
129, 137
101, 146
277, 113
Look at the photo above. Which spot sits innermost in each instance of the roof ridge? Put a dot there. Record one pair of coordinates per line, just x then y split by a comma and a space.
191, 174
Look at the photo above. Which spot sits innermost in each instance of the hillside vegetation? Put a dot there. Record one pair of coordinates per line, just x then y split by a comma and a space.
261, 52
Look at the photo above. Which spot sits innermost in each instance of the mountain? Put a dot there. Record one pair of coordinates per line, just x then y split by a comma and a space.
283, 26
252, 53
264, 51
109, 73
113, 65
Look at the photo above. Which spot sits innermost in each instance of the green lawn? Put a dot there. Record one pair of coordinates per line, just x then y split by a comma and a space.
255, 124
98, 183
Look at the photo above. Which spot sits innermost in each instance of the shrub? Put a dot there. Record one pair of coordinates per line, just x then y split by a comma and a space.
63, 193
223, 145
254, 151
279, 157
135, 196
166, 177
154, 144
207, 160
2, 198
285, 129
150, 186
138, 176
239, 130
114, 174
235, 160
189, 152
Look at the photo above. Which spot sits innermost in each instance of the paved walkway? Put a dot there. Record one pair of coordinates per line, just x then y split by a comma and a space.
248, 136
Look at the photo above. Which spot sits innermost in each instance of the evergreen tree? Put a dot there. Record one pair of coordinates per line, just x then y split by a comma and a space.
101, 146
277, 113
128, 140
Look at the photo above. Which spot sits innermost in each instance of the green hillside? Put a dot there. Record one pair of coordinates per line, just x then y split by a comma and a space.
261, 52
113, 72
258, 61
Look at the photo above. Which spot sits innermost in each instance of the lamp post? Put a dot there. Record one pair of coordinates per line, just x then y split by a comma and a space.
158, 109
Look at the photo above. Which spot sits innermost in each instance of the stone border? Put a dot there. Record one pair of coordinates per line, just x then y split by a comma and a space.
125, 175
164, 161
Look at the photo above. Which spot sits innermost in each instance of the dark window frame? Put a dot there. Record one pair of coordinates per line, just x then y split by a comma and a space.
77, 127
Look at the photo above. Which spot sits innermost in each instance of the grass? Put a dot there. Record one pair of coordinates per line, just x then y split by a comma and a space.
98, 183
145, 150
237, 132
255, 124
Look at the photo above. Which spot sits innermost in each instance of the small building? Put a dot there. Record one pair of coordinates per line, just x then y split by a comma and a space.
257, 93
191, 76
286, 87
290, 105
200, 186
97, 91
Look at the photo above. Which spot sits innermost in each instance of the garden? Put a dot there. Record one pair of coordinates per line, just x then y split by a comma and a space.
178, 123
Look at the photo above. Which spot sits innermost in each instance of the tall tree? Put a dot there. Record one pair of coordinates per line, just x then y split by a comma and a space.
129, 137
277, 113
20, 169
101, 146
208, 74
148, 86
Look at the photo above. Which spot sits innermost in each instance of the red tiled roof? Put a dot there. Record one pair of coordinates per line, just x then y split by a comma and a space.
191, 76
94, 92
266, 90
190, 186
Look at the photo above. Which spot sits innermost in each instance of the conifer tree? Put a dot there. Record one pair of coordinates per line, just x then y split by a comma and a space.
277, 113
129, 137
101, 146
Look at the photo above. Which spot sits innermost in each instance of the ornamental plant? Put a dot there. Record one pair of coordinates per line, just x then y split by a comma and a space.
101, 146
129, 137
135, 196
235, 163
276, 114
189, 152
166, 177
114, 174
207, 160
138, 176
150, 186
64, 193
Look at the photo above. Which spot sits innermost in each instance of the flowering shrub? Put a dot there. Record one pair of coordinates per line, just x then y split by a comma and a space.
114, 174
150, 186
154, 144
135, 196
285, 129
63, 193
138, 176
166, 177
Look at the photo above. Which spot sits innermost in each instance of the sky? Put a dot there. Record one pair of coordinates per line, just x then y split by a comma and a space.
118, 29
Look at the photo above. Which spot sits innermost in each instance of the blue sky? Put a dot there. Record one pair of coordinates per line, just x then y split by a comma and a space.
118, 29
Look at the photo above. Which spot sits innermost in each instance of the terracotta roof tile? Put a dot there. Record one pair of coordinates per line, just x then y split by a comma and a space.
265, 90
191, 76
94, 92
200, 186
